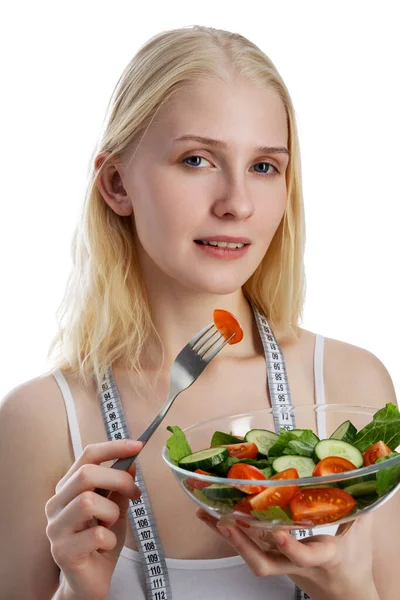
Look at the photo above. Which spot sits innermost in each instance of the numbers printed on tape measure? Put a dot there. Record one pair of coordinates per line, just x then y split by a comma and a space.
157, 581
280, 397
145, 530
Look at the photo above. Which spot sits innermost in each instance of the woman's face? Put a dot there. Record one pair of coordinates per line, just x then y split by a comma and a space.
187, 194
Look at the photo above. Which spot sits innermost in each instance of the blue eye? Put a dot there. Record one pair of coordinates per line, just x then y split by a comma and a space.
264, 172
197, 159
193, 157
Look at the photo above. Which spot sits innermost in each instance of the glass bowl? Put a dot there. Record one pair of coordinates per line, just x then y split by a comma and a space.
323, 419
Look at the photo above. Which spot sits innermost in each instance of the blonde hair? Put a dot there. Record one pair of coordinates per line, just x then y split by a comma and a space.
104, 317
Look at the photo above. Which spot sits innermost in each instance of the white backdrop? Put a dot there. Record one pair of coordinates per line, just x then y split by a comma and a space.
340, 60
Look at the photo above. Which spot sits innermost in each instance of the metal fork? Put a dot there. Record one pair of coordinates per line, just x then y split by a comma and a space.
186, 368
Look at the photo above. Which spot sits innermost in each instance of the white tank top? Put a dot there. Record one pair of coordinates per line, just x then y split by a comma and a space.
222, 578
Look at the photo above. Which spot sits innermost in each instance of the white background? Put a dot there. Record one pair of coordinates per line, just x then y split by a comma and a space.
340, 60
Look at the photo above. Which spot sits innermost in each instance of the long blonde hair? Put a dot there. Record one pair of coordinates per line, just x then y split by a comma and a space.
104, 317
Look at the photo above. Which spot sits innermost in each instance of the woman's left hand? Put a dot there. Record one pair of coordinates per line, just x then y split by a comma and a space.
325, 567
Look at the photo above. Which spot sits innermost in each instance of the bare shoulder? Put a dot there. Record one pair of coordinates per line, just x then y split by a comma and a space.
354, 374
36, 453
33, 418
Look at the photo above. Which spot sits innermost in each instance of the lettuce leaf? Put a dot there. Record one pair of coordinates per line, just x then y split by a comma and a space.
219, 438
304, 445
384, 427
177, 444
272, 513
284, 438
387, 478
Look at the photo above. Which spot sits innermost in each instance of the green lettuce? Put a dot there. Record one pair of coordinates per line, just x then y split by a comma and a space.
177, 444
284, 438
385, 427
387, 478
304, 445
220, 438
272, 513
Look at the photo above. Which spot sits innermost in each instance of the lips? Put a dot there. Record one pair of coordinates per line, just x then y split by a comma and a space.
224, 238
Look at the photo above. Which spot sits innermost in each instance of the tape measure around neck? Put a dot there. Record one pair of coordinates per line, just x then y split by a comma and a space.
281, 400
140, 513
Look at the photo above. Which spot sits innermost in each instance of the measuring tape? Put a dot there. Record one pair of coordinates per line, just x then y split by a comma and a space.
140, 513
280, 397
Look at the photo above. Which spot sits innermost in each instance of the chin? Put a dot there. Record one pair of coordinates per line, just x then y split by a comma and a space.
218, 286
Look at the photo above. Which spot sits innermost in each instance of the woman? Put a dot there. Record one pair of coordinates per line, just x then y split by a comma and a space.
199, 151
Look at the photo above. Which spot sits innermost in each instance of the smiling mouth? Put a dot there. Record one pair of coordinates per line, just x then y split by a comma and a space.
231, 244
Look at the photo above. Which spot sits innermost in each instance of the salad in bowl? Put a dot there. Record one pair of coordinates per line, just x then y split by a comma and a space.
238, 467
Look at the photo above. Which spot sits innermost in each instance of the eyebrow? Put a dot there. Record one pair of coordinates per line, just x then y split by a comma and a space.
223, 145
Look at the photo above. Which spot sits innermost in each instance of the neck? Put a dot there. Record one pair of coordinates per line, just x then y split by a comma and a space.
178, 314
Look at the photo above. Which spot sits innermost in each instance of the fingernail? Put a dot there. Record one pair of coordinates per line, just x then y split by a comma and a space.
225, 531
242, 524
279, 538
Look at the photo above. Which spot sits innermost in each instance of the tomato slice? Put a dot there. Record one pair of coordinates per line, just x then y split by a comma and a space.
378, 450
243, 471
321, 505
226, 324
333, 464
275, 495
245, 450
196, 483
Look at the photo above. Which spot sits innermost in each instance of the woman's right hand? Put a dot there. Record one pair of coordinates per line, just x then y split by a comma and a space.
86, 530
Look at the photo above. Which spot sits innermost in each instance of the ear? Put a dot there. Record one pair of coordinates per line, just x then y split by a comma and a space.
110, 186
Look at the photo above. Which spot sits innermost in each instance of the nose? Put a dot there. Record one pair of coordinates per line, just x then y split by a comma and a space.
234, 201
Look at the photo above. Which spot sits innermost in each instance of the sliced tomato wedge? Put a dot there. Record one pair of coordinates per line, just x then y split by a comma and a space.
245, 450
333, 464
275, 495
378, 450
321, 505
227, 325
196, 483
243, 471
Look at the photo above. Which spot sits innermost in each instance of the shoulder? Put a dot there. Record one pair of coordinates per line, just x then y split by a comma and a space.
34, 413
355, 375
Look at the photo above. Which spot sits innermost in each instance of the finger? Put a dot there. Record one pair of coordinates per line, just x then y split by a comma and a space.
205, 516
98, 453
261, 563
306, 553
80, 544
78, 513
90, 477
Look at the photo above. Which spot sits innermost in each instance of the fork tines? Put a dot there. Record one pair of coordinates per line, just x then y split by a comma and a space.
201, 347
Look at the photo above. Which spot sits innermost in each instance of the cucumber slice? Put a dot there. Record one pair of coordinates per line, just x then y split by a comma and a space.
204, 459
333, 447
363, 488
262, 438
222, 491
303, 465
346, 432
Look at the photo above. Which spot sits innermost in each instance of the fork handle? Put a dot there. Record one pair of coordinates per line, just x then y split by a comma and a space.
123, 464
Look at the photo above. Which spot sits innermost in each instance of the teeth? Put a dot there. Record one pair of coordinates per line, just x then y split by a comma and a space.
222, 244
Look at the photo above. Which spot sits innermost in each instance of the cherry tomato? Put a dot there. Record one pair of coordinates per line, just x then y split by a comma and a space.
243, 471
245, 450
333, 464
226, 324
196, 483
274, 495
378, 450
321, 505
